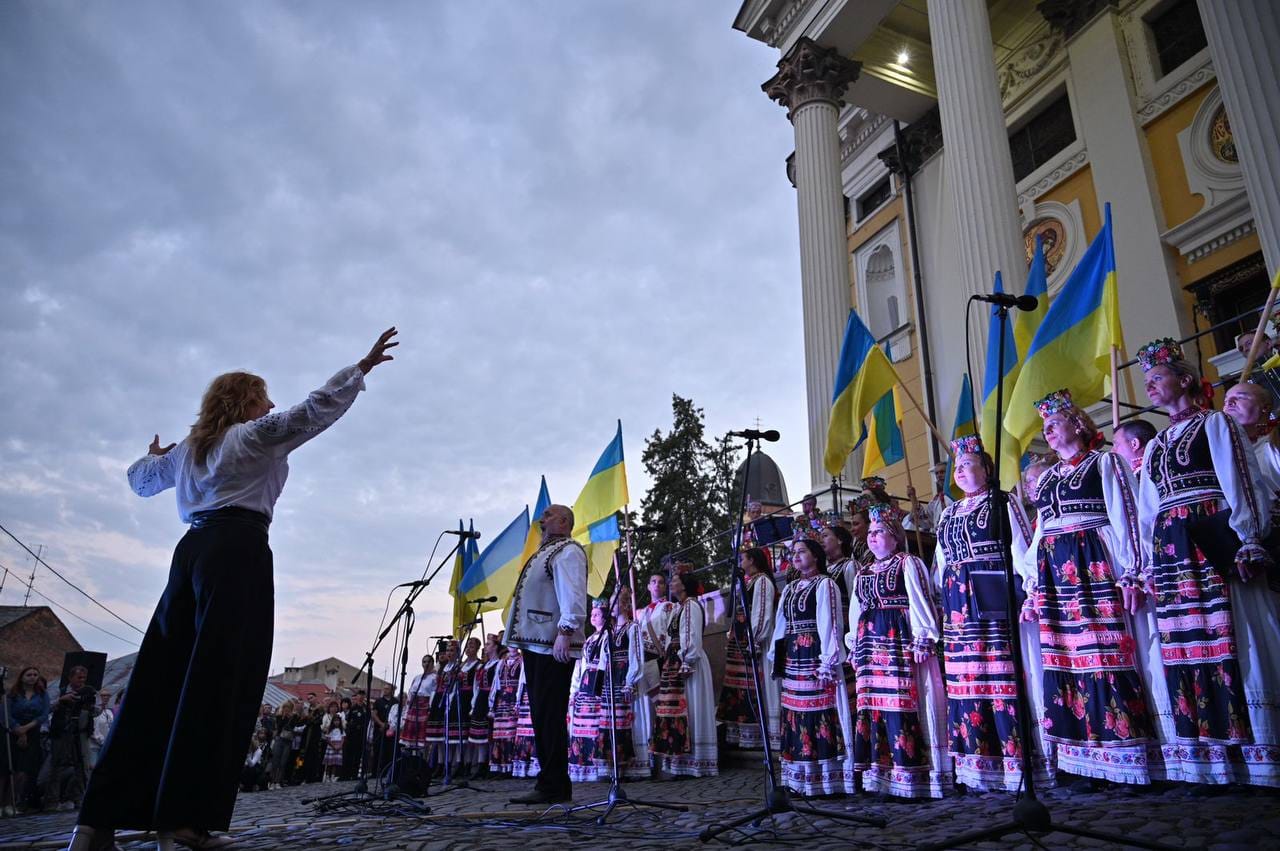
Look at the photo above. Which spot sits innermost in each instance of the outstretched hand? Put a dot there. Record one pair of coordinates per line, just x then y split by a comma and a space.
378, 354
156, 449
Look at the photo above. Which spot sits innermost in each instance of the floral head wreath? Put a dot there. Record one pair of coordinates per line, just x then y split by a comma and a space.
970, 444
1055, 403
884, 513
873, 483
1160, 352
600, 603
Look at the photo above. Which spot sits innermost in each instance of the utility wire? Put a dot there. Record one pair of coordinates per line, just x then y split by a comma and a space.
53, 602
84, 593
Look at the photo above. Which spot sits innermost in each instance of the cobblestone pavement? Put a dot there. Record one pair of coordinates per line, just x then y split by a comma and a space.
1177, 816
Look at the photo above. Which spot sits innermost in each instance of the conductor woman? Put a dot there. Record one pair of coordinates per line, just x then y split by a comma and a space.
172, 761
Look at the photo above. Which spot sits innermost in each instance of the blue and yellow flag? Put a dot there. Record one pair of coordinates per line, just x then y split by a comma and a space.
962, 425
493, 573
595, 512
533, 539
1027, 322
884, 445
1072, 347
461, 564
996, 371
864, 376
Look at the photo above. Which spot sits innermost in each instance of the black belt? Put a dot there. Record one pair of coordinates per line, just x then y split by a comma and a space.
230, 514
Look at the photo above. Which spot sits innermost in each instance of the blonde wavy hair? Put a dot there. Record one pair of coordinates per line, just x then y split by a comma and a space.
225, 403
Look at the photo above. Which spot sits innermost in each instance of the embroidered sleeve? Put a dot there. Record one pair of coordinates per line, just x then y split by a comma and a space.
1122, 511
287, 430
926, 630
762, 609
152, 474
1236, 467
635, 656
779, 627
1148, 508
691, 625
570, 577
830, 625
851, 621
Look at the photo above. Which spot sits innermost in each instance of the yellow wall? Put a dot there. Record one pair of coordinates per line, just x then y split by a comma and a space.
914, 429
1179, 203
1079, 187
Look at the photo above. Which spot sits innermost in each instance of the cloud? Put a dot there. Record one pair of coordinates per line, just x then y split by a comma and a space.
571, 210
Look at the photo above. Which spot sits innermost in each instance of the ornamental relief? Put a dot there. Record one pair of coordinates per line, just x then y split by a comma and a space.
1221, 142
1053, 236
1017, 74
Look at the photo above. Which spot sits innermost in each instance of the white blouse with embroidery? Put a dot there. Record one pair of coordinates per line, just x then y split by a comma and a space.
248, 466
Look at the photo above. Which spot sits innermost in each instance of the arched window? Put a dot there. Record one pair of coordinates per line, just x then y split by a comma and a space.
881, 299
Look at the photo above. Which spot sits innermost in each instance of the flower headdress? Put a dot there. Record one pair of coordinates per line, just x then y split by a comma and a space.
873, 483
969, 444
884, 513
1160, 352
1055, 403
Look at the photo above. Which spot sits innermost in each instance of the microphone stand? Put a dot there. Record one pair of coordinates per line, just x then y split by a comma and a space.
777, 797
1029, 815
390, 791
617, 794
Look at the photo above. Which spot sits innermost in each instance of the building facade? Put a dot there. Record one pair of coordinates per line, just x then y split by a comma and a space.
936, 140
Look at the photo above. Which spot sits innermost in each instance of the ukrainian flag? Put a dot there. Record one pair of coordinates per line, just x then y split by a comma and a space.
864, 376
595, 512
1072, 347
533, 538
885, 444
995, 372
962, 424
493, 573
1027, 322
461, 564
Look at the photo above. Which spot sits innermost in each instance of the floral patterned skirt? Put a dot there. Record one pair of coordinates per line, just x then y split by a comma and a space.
1096, 716
736, 709
413, 732
891, 750
1194, 558
813, 750
524, 759
671, 709
502, 743
982, 721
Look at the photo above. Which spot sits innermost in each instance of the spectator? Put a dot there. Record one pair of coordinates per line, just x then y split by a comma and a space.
357, 730
28, 707
282, 743
333, 749
69, 730
101, 726
257, 764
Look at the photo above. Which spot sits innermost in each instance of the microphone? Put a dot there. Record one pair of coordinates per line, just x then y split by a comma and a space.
462, 534
413, 584
755, 434
449, 637
484, 600
647, 530
1021, 302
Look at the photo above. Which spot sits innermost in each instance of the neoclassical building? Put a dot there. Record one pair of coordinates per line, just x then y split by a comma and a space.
934, 139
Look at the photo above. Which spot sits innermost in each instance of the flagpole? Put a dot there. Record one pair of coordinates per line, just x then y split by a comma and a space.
631, 564
1115, 387
946, 444
1260, 331
915, 503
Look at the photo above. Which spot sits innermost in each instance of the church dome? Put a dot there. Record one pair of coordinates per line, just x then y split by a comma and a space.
764, 481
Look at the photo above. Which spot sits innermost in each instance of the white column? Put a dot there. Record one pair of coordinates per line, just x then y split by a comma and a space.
1244, 40
976, 151
809, 83
1105, 114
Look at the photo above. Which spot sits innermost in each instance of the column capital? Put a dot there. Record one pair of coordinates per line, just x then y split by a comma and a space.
811, 72
920, 140
1069, 16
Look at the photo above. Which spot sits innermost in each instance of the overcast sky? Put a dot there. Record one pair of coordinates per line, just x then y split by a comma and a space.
571, 210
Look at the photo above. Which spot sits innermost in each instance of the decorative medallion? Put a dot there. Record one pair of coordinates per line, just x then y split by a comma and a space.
1053, 234
1220, 138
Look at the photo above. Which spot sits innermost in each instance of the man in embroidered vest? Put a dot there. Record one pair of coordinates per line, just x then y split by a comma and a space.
547, 613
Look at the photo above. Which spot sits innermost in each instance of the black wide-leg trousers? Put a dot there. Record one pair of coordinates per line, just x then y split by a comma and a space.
548, 682
173, 757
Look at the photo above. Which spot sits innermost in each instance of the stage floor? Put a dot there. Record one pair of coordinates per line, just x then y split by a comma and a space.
1236, 818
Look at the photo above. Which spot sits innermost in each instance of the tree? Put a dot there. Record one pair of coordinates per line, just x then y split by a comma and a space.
688, 502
